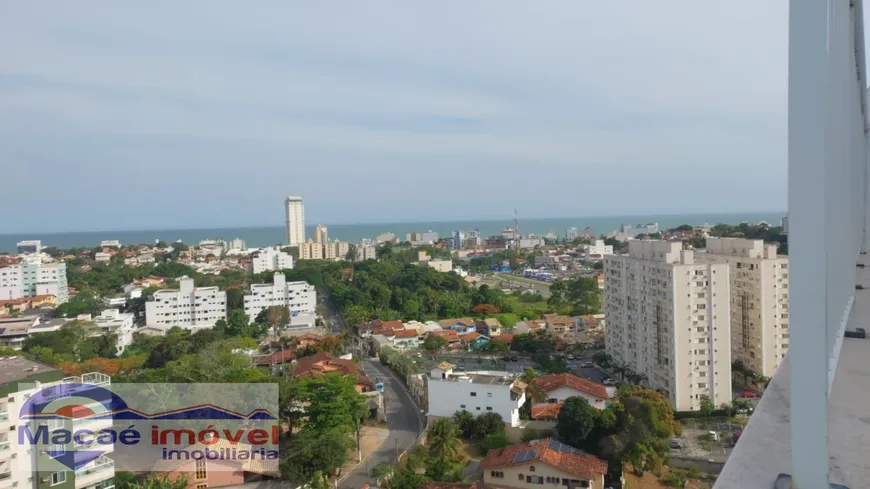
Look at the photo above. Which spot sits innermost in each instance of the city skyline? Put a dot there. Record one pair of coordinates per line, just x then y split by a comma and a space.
374, 122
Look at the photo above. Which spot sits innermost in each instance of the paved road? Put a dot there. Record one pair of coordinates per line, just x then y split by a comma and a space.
403, 420
334, 321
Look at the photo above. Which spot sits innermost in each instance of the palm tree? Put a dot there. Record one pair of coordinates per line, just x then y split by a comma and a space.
443, 439
621, 369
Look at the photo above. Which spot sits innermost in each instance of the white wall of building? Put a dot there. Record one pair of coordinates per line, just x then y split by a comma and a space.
599, 248
300, 297
30, 278
561, 394
187, 307
119, 323
270, 259
669, 318
458, 393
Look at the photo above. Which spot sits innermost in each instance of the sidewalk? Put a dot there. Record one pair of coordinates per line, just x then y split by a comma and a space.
371, 438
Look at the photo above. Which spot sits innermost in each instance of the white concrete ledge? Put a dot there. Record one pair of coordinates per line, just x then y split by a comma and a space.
764, 450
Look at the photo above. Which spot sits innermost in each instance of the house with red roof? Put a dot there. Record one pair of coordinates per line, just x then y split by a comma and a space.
542, 462
473, 340
323, 363
560, 387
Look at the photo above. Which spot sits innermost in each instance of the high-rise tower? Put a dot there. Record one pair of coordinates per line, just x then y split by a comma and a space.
295, 220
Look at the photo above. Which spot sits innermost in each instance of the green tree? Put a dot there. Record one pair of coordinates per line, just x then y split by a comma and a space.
406, 478
277, 317
333, 403
434, 343
707, 406
443, 439
441, 470
576, 420
494, 441
488, 424
465, 422
313, 455
150, 481
235, 298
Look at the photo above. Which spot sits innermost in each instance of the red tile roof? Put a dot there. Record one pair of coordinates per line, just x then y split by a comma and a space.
405, 333
577, 463
552, 382
323, 363
470, 337
393, 325
546, 411
283, 356
504, 338
448, 334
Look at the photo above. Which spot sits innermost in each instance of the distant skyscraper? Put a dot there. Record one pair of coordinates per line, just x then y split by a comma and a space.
295, 220
321, 235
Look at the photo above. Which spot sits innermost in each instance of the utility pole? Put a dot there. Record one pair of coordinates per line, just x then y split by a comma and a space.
397, 449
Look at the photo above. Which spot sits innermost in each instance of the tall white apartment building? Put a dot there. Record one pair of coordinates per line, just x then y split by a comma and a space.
366, 252
310, 250
24, 465
669, 319
186, 307
29, 246
341, 249
475, 392
31, 277
299, 297
759, 301
321, 234
270, 258
295, 220
329, 251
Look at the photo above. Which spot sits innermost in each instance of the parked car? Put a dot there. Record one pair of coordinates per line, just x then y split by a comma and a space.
515, 359
587, 365
749, 395
608, 381
858, 333
570, 357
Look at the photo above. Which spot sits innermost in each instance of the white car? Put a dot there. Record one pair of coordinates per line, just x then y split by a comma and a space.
609, 382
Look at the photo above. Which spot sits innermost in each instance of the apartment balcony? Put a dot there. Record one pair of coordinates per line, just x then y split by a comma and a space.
95, 472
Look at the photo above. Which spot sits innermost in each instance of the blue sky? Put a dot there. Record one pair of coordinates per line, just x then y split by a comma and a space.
159, 114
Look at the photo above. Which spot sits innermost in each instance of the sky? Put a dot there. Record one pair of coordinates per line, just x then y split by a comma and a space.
166, 114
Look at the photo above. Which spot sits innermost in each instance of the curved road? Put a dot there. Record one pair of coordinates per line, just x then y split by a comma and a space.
403, 416
403, 420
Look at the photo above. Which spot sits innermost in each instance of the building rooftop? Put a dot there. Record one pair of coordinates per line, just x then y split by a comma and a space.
17, 369
764, 449
548, 451
549, 383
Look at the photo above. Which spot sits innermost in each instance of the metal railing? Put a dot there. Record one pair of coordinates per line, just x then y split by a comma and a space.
827, 187
4, 445
101, 464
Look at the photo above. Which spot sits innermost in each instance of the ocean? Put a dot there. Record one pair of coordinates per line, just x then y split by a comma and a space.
255, 237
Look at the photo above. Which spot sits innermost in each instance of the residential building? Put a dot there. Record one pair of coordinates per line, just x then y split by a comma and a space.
559, 387
759, 301
310, 250
405, 339
473, 341
219, 472
386, 238
460, 325
237, 244
587, 234
113, 321
458, 239
328, 251
488, 327
669, 319
323, 363
538, 462
341, 249
102, 257
24, 465
298, 297
784, 224
30, 278
187, 307
295, 220
366, 252
475, 392
113, 243
29, 246
530, 241
598, 249
571, 234
270, 259
440, 265
321, 234
564, 328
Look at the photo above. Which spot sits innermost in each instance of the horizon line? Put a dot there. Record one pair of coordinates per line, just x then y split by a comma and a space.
392, 223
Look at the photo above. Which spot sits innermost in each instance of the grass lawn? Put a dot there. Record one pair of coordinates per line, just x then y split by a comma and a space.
533, 310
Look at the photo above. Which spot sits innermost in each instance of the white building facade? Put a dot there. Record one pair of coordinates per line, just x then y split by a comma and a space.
119, 323
270, 259
311, 250
475, 392
298, 297
759, 301
668, 318
295, 220
599, 248
31, 278
187, 307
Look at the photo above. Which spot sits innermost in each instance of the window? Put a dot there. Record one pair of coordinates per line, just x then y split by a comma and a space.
489, 394
497, 474
201, 486
58, 478
58, 449
474, 394
462, 406
488, 408
531, 468
521, 477
199, 470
